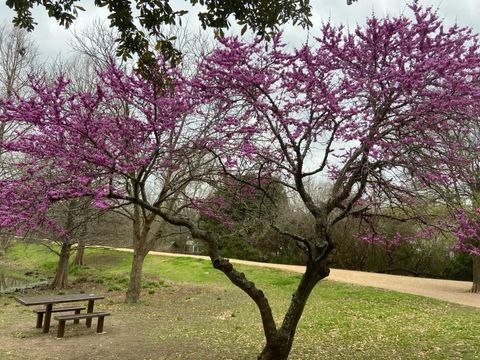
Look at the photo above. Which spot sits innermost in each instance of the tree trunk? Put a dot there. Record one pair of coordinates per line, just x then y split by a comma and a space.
135, 283
141, 246
61, 277
281, 347
80, 253
476, 274
2, 128
3, 283
6, 241
272, 353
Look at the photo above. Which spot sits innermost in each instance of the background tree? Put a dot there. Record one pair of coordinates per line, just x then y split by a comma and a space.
244, 230
411, 254
18, 57
467, 201
462, 197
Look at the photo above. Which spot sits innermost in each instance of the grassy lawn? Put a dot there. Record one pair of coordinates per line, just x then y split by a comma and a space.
190, 311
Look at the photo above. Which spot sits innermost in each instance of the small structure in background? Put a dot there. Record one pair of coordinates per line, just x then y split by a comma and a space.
191, 247
184, 245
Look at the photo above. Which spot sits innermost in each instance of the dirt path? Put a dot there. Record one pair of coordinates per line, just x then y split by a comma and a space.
448, 290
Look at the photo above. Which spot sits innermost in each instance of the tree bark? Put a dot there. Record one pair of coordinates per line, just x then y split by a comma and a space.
272, 352
476, 275
79, 256
2, 127
61, 276
142, 244
135, 283
3, 283
6, 242
280, 348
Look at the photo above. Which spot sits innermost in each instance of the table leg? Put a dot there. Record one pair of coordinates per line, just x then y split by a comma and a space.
77, 321
88, 322
100, 324
48, 315
61, 329
39, 320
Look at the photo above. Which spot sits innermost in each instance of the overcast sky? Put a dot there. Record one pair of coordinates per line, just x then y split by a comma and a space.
53, 39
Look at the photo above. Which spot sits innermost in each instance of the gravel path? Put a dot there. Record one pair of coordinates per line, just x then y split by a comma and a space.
448, 290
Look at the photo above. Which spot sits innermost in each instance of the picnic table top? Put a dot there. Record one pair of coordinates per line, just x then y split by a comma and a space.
56, 299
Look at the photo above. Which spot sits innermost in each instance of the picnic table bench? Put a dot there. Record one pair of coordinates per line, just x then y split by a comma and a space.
49, 301
41, 312
75, 317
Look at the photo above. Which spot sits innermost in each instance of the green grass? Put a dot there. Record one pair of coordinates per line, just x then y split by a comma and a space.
340, 321
33, 257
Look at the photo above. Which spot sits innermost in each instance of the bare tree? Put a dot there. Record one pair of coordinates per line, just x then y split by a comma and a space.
18, 58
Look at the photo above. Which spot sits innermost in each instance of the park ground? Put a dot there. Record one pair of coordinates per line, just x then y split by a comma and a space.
448, 290
190, 311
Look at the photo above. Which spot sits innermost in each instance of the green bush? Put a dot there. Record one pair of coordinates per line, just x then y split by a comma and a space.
460, 267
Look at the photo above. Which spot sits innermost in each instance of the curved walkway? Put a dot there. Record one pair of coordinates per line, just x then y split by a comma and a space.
447, 290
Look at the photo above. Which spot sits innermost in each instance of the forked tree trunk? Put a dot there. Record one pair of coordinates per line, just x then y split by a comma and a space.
142, 244
61, 276
280, 347
79, 256
476, 275
135, 283
278, 340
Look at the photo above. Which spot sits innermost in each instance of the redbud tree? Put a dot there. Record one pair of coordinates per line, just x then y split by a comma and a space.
129, 137
467, 232
463, 199
369, 109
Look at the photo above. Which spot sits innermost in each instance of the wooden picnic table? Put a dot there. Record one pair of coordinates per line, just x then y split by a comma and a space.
50, 300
